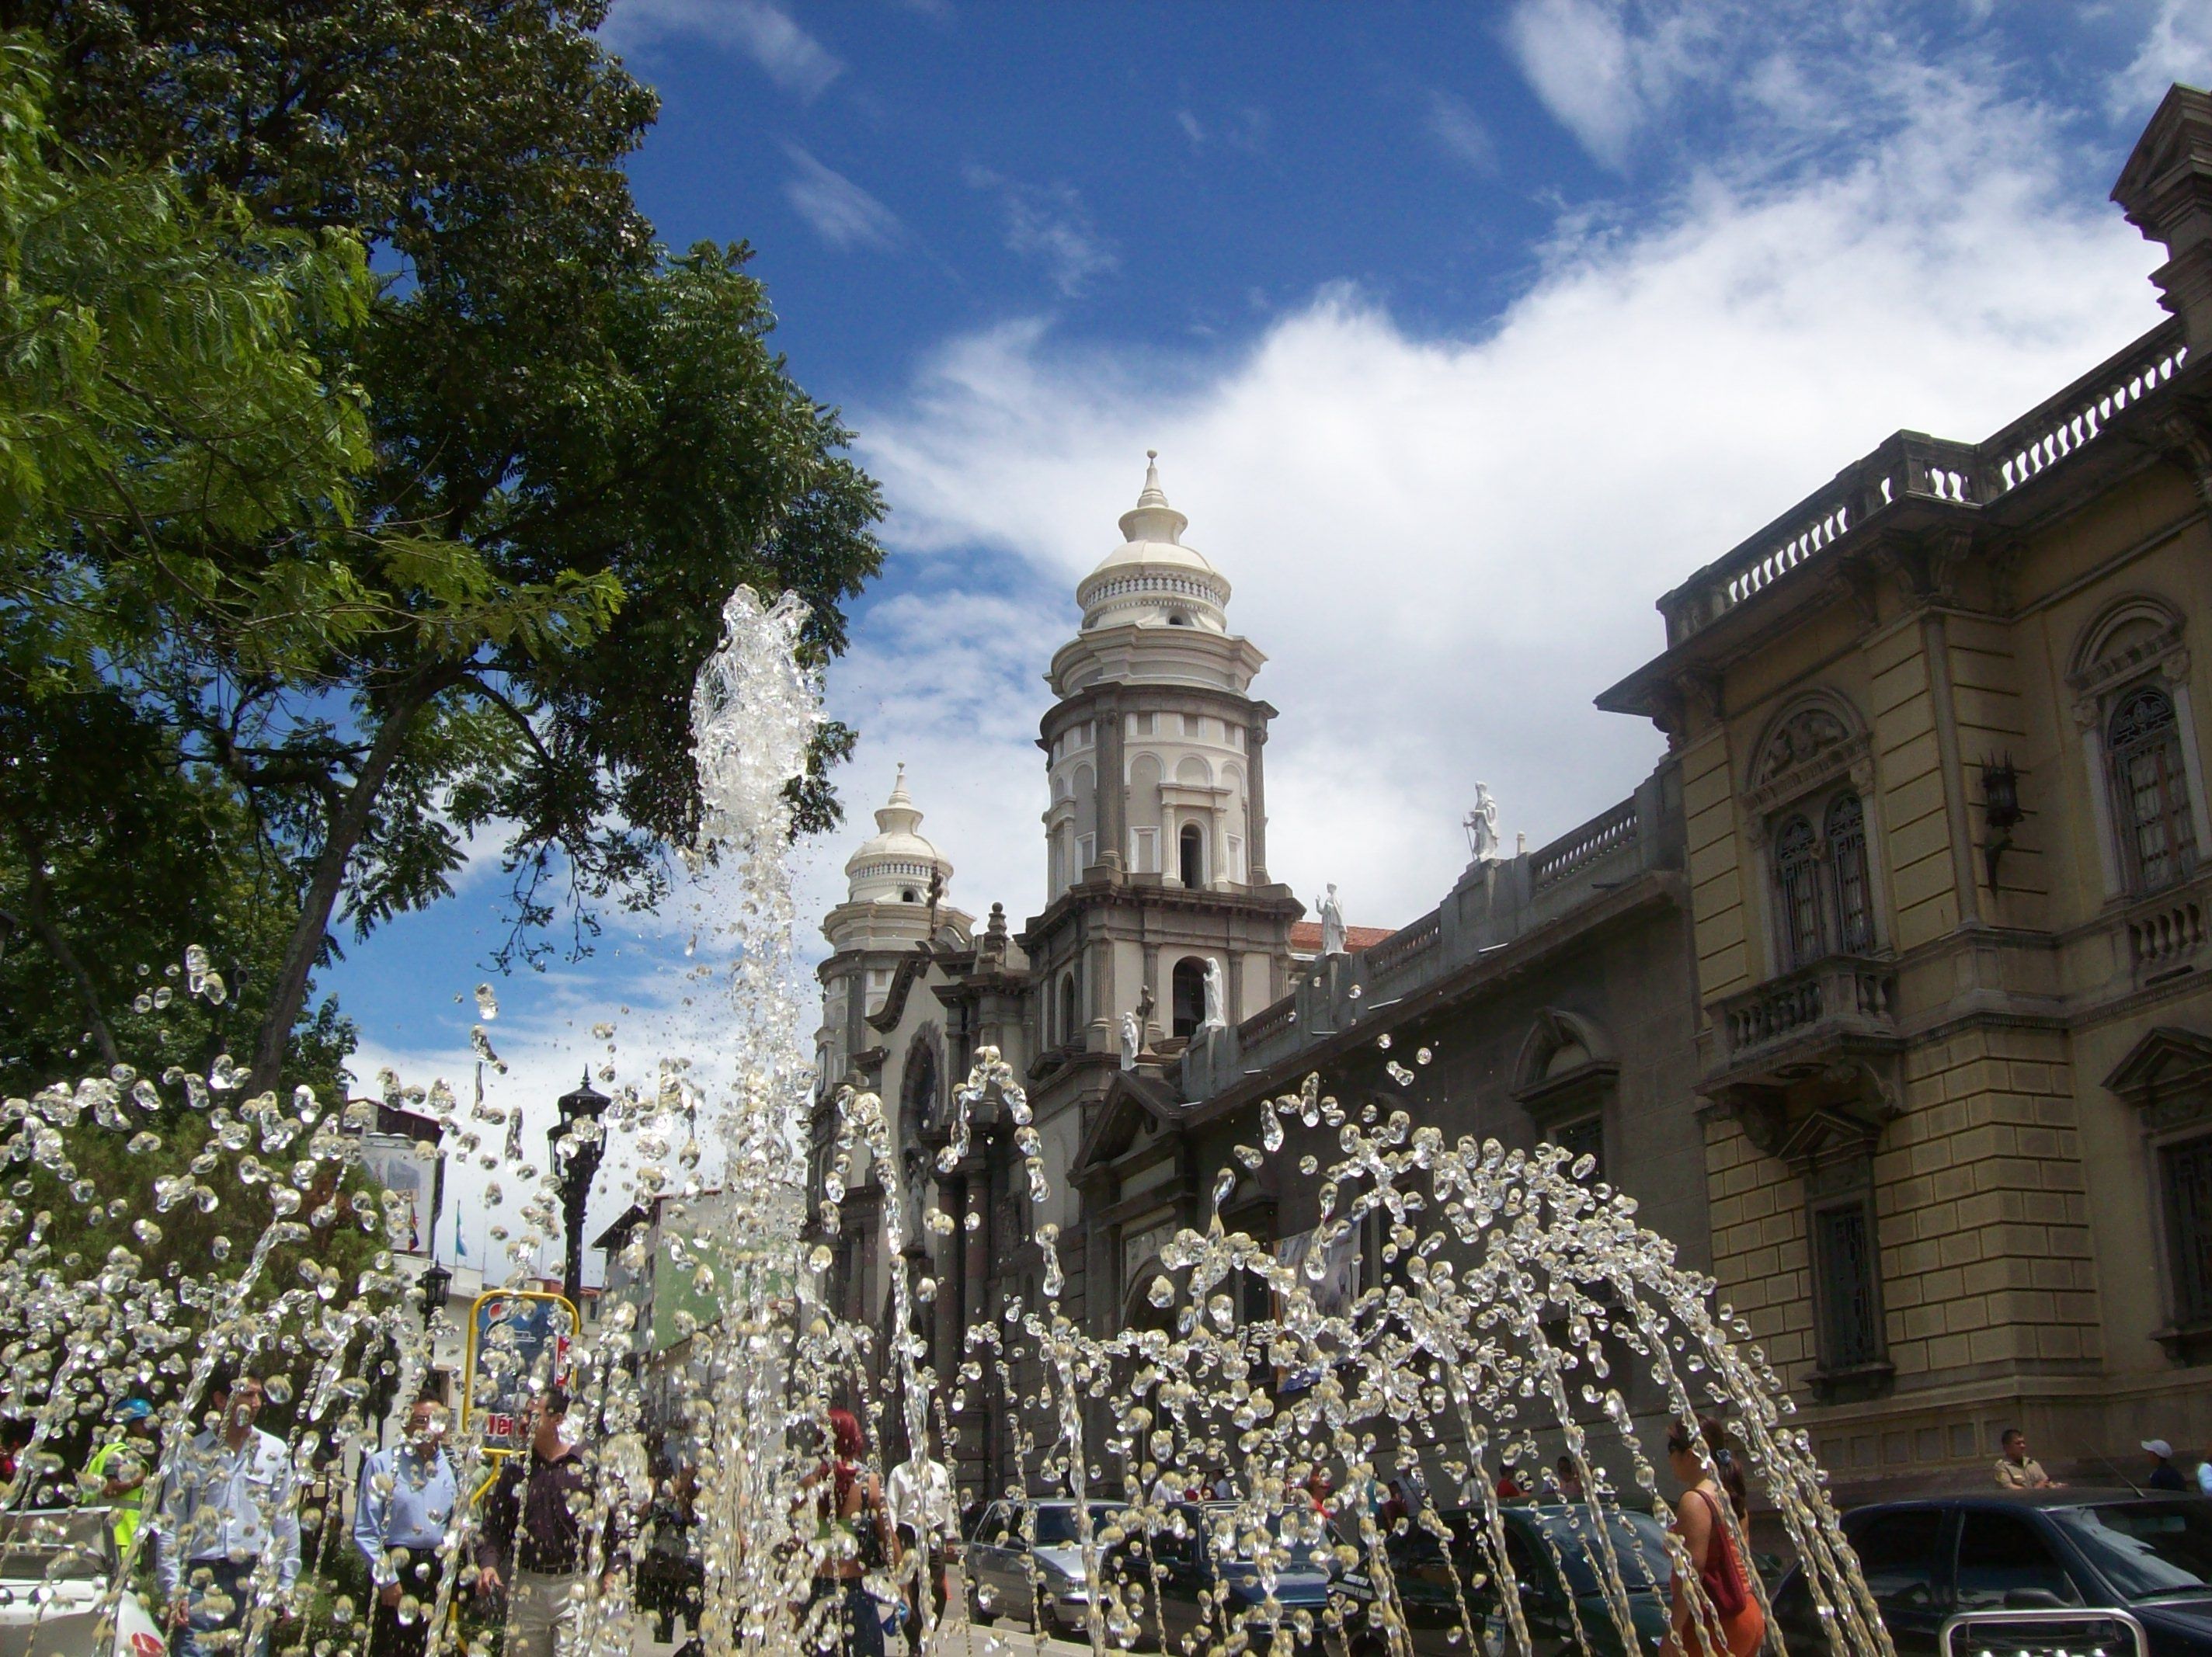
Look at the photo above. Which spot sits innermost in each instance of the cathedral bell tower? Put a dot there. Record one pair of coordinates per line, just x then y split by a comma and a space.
1156, 834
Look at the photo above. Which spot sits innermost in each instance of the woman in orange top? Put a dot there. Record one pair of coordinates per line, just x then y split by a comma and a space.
1701, 1523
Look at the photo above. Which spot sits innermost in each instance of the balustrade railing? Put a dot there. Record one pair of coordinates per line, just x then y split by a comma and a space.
1911, 466
2165, 937
1608, 832
1842, 992
1403, 946
1268, 1021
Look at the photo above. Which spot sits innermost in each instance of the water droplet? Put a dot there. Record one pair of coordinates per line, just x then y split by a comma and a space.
487, 1003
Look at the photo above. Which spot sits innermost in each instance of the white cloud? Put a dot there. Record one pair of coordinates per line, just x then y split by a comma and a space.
763, 31
1458, 131
841, 213
1579, 59
1048, 225
2176, 47
1449, 546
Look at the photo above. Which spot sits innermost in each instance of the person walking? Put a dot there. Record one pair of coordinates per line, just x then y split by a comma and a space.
2164, 1475
401, 1515
1722, 1613
853, 1538
919, 1494
228, 1533
2018, 1471
531, 1544
121, 1466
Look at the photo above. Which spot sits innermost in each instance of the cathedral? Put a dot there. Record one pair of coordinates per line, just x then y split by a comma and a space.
1161, 927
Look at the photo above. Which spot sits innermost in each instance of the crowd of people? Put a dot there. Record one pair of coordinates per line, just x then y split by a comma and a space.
225, 1536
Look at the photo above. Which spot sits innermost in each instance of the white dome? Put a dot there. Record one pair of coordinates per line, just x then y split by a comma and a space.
1152, 580
895, 864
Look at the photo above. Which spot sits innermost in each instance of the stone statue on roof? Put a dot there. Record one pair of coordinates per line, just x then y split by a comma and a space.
1332, 922
1132, 1039
1214, 1018
1482, 825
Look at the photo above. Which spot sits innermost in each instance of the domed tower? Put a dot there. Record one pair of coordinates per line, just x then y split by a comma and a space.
896, 887
1156, 834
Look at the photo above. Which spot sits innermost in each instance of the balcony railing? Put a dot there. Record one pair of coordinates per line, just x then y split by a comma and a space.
1843, 995
1913, 466
1403, 947
1269, 1021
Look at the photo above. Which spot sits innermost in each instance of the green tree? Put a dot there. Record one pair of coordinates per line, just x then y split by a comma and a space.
579, 444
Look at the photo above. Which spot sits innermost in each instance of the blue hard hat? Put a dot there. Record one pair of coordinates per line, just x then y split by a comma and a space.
136, 1410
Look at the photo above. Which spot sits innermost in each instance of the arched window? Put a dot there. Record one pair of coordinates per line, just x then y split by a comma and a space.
1192, 842
1067, 1009
1847, 856
1189, 994
1797, 875
2152, 789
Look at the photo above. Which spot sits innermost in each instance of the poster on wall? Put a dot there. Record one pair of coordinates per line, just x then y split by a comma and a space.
519, 1344
1333, 1291
398, 1164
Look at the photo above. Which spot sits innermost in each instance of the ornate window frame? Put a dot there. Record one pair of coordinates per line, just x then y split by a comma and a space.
2167, 1078
2099, 675
1586, 1091
1814, 752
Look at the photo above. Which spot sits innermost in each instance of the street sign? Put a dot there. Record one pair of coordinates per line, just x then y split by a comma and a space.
519, 1344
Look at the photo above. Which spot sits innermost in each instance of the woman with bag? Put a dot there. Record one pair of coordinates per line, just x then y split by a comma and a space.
1725, 1613
855, 1537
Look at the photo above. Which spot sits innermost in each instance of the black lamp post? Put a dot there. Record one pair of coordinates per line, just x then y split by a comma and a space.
576, 1151
436, 1280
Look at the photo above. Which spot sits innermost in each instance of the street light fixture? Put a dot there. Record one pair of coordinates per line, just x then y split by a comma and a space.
577, 1145
436, 1280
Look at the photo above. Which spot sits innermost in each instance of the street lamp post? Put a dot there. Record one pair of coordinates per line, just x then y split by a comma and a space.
577, 1146
436, 1280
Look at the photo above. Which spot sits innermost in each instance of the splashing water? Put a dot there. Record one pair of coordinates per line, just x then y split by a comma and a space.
1522, 1308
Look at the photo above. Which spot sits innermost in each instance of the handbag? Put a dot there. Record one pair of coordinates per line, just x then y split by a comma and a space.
1721, 1580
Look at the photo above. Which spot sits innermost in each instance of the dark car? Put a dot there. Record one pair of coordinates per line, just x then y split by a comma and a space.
1210, 1579
1556, 1559
2032, 1551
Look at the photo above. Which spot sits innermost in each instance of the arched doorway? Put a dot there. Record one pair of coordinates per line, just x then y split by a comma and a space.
1188, 1003
1191, 843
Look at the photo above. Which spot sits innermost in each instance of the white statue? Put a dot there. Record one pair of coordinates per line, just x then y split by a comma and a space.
1131, 1040
1214, 1020
1482, 825
1332, 923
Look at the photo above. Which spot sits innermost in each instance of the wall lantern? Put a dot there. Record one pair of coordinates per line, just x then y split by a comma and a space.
2000, 810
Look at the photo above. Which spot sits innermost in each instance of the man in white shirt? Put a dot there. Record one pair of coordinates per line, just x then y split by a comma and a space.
229, 1534
919, 1496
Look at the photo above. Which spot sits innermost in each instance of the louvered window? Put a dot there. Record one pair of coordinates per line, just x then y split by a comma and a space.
2152, 790
1797, 870
1847, 856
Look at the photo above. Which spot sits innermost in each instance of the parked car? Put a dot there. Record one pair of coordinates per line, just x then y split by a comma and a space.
1554, 1552
1011, 1567
1209, 1581
55, 1567
2040, 1550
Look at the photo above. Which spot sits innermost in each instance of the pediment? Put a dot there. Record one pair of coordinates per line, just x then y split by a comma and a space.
1133, 1100
2167, 1062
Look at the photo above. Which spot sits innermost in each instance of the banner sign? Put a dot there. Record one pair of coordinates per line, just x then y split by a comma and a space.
516, 1338
395, 1162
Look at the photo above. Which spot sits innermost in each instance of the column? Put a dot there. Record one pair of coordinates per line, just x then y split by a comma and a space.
1112, 812
951, 1290
1255, 804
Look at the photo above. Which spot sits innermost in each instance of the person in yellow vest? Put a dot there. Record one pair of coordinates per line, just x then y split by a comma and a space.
122, 1465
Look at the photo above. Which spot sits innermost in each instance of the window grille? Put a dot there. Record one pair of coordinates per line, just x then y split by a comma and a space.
1851, 1318
1847, 855
1795, 870
2145, 740
1583, 1138
2187, 1170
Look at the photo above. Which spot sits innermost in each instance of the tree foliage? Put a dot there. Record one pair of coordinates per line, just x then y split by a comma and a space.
576, 443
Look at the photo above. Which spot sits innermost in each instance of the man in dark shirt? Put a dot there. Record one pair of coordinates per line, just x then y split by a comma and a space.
2164, 1475
533, 1543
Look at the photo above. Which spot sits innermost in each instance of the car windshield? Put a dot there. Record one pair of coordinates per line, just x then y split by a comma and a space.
2146, 1548
1055, 1525
54, 1547
1293, 1552
1638, 1542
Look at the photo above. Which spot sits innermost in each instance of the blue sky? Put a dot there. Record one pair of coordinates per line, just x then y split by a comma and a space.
1464, 331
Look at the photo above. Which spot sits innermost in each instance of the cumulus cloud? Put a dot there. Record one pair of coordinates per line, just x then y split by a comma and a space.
762, 31
2176, 47
1448, 545
841, 212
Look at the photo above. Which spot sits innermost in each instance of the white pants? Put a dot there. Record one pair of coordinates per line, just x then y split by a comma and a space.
542, 1615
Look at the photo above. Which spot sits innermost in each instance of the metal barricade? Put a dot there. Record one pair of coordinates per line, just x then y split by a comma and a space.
2063, 1619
